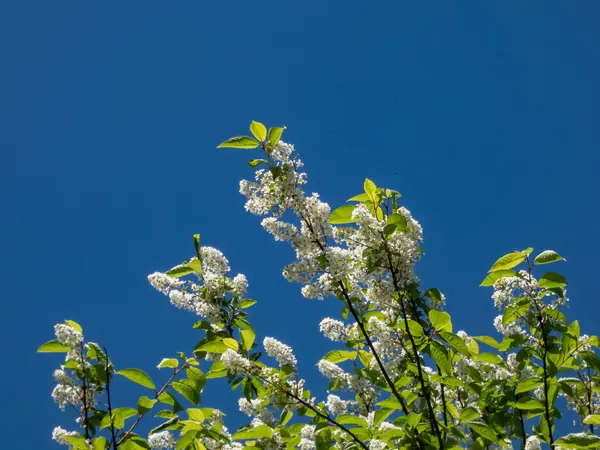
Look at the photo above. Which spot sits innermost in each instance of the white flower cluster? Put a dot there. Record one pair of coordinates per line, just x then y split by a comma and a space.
163, 440
336, 406
235, 362
59, 434
281, 352
308, 438
68, 335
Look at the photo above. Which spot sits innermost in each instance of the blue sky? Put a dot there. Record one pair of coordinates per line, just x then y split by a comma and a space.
483, 114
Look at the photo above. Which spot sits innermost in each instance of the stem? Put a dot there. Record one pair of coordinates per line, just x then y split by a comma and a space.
432, 419
85, 390
162, 389
523, 434
112, 424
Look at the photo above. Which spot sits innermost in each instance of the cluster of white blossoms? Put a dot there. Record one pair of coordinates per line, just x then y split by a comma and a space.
68, 335
204, 299
308, 438
59, 434
281, 352
162, 440
336, 406
235, 362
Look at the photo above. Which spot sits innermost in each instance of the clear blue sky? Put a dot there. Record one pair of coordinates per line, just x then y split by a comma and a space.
483, 114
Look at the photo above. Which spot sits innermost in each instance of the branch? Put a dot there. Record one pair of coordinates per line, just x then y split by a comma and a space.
112, 423
162, 389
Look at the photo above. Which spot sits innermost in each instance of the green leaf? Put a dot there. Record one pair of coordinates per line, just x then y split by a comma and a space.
528, 385
213, 347
348, 419
508, 261
342, 215
53, 347
455, 341
197, 246
170, 363
165, 425
231, 343
77, 442
285, 416
440, 320
188, 389
258, 130
359, 198
247, 303
195, 414
399, 221
495, 276
483, 430
578, 440
552, 280
370, 190
74, 325
529, 404
137, 376
99, 443
261, 431
490, 358
275, 135
593, 419
338, 356
145, 404
247, 337
245, 142
180, 270
257, 162
119, 415
469, 414
440, 356
547, 257
489, 341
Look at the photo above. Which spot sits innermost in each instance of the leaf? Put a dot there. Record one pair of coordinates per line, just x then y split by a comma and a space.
261, 431
247, 303
180, 270
170, 363
399, 221
213, 347
455, 341
257, 162
343, 214
74, 325
495, 276
247, 337
195, 414
99, 443
593, 419
188, 389
137, 376
552, 280
53, 347
371, 190
440, 356
469, 414
483, 430
359, 198
547, 257
197, 246
489, 341
490, 358
231, 343
258, 130
77, 442
145, 404
349, 419
578, 440
275, 135
528, 385
165, 425
338, 356
440, 320
529, 404
245, 142
508, 261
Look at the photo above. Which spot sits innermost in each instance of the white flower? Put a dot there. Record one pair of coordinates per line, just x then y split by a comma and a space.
334, 330
162, 440
240, 284
164, 283
336, 405
67, 335
308, 437
280, 351
214, 261
235, 362
331, 370
59, 434
376, 444
533, 443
